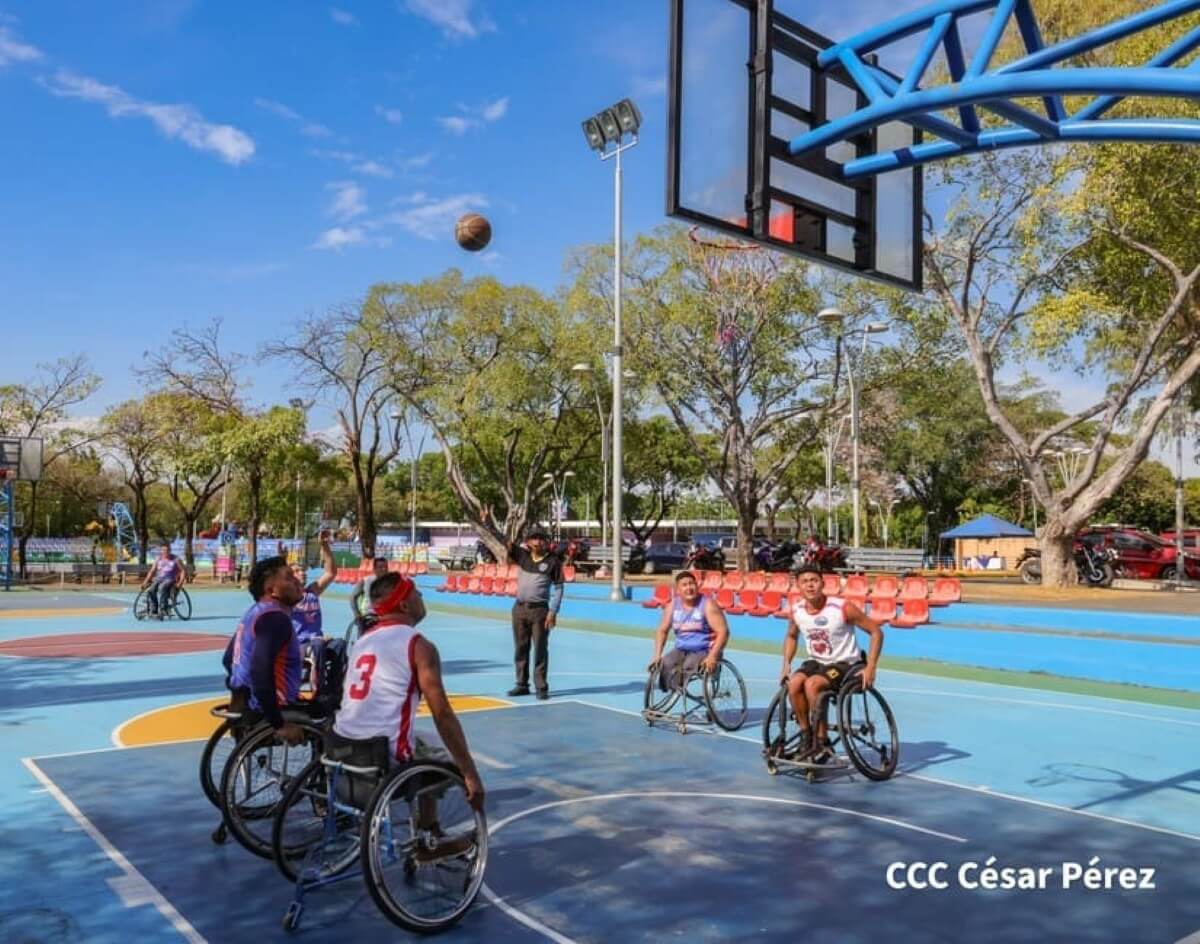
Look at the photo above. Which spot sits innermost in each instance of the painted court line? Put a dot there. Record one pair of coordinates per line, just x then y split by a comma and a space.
1049, 704
135, 887
983, 791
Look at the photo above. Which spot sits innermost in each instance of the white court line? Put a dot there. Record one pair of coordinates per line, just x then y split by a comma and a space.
948, 783
533, 924
135, 880
1193, 938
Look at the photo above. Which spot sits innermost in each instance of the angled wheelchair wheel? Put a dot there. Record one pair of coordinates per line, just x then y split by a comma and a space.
725, 696
423, 847
780, 733
655, 701
258, 773
868, 731
309, 834
181, 605
141, 606
215, 756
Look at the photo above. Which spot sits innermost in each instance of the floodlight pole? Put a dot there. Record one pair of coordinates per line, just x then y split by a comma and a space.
1180, 559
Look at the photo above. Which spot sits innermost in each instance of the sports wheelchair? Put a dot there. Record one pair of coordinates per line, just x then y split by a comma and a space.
179, 604
706, 698
864, 734
419, 845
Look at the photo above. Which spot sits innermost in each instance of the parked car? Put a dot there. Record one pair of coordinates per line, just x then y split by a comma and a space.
1140, 554
1191, 538
726, 543
658, 558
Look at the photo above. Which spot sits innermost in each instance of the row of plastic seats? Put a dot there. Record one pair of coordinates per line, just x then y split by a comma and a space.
913, 612
489, 586
946, 590
509, 572
355, 574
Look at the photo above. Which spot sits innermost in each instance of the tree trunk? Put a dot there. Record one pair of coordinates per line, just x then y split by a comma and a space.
772, 511
141, 513
1058, 556
747, 513
189, 548
366, 520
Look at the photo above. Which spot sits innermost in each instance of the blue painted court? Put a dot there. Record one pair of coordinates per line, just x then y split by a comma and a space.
604, 829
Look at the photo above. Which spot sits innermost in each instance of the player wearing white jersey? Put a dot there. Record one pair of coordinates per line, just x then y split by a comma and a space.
391, 667
828, 626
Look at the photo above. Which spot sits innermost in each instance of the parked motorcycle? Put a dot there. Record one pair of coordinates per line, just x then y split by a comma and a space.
704, 557
778, 558
1095, 568
827, 558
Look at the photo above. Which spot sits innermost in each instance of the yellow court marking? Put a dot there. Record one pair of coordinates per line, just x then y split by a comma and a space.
48, 612
193, 721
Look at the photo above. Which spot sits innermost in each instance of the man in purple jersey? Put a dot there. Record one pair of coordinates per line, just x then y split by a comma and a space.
166, 574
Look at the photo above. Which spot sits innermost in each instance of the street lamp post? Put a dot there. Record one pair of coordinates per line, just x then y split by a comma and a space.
558, 487
414, 451
832, 437
604, 444
835, 319
606, 134
892, 502
1180, 559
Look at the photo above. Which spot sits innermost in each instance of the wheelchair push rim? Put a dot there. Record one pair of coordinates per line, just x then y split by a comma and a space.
656, 703
725, 696
255, 780
181, 604
141, 606
423, 848
868, 730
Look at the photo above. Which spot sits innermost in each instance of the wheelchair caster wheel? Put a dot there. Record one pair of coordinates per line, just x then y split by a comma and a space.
220, 834
291, 919
810, 776
772, 768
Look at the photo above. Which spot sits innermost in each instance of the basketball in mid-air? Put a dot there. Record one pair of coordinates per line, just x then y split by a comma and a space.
473, 232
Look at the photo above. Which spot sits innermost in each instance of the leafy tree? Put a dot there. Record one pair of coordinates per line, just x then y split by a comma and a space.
253, 444
662, 465
1146, 499
129, 432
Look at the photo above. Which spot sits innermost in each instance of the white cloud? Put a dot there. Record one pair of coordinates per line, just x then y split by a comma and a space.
456, 18
650, 86
496, 110
457, 125
392, 116
175, 121
342, 17
349, 200
472, 118
13, 50
433, 219
308, 128
358, 163
418, 161
340, 237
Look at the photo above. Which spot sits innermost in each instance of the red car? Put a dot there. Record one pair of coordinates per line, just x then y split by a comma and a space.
1140, 554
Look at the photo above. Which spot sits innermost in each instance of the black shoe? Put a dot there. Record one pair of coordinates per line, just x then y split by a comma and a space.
543, 694
517, 690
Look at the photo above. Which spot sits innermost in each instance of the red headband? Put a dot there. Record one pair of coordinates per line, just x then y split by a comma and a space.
392, 601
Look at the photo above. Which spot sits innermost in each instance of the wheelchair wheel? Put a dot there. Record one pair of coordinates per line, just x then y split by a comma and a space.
780, 733
655, 700
301, 837
868, 731
258, 773
215, 756
423, 847
181, 604
141, 606
725, 696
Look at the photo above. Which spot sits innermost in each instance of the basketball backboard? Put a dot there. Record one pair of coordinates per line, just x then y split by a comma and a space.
742, 83
21, 458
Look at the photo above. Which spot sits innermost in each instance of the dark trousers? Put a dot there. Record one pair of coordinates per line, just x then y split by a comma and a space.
529, 626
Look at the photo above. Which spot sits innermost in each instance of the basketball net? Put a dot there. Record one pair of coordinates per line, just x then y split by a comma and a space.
729, 336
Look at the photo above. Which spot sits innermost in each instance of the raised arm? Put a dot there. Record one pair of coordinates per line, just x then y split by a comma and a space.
322, 583
429, 680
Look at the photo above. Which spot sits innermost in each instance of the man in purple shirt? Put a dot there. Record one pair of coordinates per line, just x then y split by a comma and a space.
166, 574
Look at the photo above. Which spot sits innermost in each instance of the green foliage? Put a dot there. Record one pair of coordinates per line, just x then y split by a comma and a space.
1146, 499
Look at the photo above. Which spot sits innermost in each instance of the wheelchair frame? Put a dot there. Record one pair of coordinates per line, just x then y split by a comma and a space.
375, 847
141, 609
657, 705
775, 754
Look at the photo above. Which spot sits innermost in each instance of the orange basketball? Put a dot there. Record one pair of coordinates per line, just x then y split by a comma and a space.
473, 232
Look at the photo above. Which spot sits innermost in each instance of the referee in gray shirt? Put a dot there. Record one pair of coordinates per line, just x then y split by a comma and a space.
539, 595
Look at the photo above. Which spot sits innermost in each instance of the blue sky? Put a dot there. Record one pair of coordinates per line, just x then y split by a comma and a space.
172, 161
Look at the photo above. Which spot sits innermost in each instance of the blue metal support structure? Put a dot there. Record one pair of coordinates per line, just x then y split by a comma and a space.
977, 84
125, 541
6, 530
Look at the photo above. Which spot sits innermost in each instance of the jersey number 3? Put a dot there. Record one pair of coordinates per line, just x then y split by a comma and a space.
365, 666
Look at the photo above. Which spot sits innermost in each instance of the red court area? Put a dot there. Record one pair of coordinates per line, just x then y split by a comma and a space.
110, 645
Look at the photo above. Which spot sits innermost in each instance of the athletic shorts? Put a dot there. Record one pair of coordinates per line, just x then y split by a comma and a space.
835, 672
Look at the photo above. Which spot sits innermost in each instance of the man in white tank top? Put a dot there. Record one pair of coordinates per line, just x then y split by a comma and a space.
390, 668
828, 626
